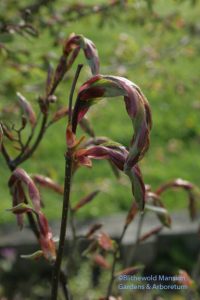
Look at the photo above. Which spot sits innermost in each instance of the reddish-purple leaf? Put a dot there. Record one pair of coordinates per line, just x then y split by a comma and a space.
7, 133
93, 229
178, 183
138, 187
71, 50
19, 175
154, 231
70, 137
136, 104
47, 182
27, 108
100, 261
105, 241
73, 45
46, 238
85, 200
116, 155
59, 114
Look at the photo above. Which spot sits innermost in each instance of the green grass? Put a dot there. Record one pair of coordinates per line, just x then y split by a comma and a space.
162, 58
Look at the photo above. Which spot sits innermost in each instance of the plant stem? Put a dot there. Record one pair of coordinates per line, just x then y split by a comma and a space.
66, 203
56, 270
115, 256
25, 156
72, 92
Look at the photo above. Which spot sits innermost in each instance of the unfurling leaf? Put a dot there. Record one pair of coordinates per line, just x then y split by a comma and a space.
136, 105
138, 110
150, 233
27, 109
71, 50
48, 183
36, 255
85, 200
21, 208
76, 42
101, 261
20, 176
130, 271
105, 241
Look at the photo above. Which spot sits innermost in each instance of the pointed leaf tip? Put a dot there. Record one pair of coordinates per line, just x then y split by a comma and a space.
27, 108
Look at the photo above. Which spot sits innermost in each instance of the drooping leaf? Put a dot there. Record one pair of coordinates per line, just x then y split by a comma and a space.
136, 105
85, 200
177, 183
117, 154
152, 232
20, 176
93, 229
48, 183
138, 187
59, 114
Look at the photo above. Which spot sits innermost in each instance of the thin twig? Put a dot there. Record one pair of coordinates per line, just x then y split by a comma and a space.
66, 203
18, 160
72, 92
115, 257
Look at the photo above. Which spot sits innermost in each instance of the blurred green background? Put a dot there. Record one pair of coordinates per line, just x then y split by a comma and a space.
154, 44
